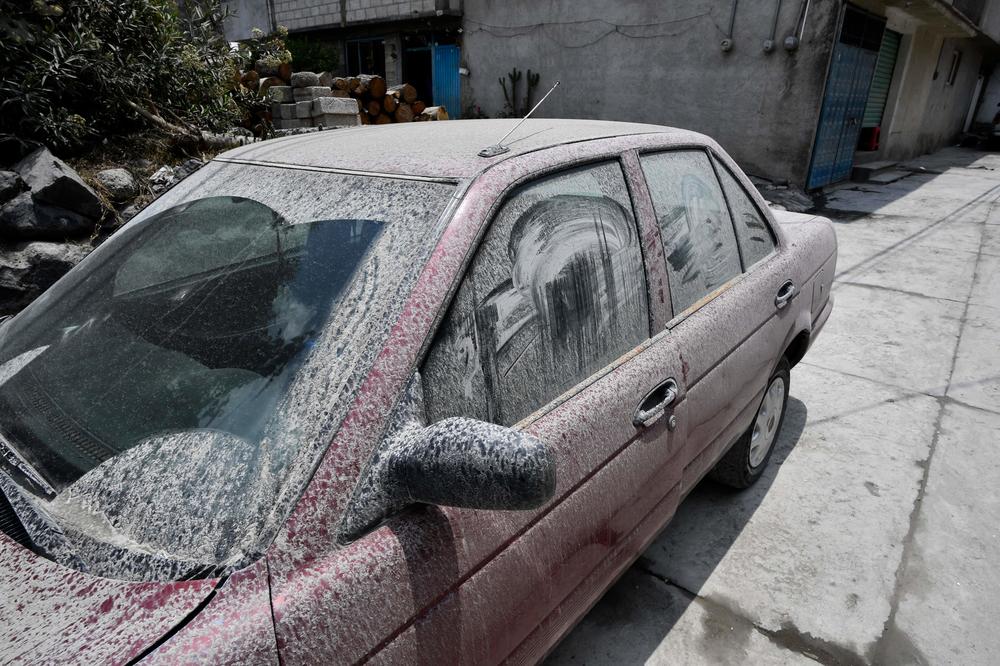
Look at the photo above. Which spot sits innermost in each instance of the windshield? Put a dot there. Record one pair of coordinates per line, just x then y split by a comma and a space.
144, 405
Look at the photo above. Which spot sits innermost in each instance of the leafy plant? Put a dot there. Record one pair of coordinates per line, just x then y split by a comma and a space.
267, 52
75, 70
312, 55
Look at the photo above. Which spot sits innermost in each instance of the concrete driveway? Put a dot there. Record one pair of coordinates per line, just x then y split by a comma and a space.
874, 536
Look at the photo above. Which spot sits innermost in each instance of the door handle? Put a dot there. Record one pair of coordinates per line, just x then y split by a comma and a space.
655, 404
785, 294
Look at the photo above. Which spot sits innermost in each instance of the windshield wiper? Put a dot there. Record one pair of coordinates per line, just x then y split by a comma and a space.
20, 470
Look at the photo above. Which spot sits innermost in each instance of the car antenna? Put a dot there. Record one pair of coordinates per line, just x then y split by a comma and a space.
499, 148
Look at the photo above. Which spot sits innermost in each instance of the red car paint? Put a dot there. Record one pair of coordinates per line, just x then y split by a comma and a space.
446, 585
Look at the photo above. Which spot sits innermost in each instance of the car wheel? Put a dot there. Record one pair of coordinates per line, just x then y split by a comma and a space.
745, 461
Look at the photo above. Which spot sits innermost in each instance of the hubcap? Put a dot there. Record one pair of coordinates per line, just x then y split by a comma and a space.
765, 426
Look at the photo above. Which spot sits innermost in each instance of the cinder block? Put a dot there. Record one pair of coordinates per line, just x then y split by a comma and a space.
280, 94
335, 105
303, 109
310, 92
337, 120
288, 111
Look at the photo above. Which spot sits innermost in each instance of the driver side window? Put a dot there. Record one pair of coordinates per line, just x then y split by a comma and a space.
556, 292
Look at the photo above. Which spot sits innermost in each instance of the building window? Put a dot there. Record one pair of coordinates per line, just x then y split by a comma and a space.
365, 56
956, 62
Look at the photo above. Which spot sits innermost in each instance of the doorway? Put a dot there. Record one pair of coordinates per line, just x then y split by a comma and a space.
846, 97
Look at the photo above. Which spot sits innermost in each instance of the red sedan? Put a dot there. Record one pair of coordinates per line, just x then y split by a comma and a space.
366, 395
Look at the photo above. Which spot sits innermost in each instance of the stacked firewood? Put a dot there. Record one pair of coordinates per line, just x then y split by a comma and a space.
381, 105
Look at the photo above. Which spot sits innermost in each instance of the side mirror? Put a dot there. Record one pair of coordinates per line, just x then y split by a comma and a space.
455, 462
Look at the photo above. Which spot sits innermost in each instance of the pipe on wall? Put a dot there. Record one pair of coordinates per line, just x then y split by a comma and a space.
727, 43
769, 42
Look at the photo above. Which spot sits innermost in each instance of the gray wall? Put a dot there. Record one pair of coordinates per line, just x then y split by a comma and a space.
245, 16
663, 64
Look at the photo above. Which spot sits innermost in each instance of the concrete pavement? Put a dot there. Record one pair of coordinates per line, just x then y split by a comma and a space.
874, 536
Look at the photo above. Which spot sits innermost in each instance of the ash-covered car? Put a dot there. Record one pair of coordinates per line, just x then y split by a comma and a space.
327, 402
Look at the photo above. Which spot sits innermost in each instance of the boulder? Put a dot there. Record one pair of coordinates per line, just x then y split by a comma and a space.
52, 181
163, 179
28, 269
10, 185
326, 79
280, 94
304, 79
23, 217
130, 211
119, 183
187, 168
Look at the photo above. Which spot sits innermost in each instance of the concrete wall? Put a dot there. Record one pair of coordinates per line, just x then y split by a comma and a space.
245, 15
661, 62
312, 14
926, 113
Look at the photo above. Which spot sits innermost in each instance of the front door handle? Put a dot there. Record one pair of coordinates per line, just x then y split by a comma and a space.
655, 404
785, 294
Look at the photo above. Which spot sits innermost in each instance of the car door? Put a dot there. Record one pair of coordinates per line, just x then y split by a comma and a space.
549, 332
722, 289
560, 261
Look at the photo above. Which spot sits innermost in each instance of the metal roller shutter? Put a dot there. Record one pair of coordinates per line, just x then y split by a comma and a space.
882, 79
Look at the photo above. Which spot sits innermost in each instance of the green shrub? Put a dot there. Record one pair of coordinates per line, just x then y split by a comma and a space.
313, 55
74, 70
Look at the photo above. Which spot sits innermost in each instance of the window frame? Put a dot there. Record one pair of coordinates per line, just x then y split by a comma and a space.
717, 162
713, 156
618, 157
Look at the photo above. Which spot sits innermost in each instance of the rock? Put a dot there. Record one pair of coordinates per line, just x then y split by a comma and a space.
10, 185
310, 93
304, 79
52, 181
119, 183
338, 105
187, 168
130, 211
28, 269
23, 217
280, 94
303, 109
326, 79
163, 179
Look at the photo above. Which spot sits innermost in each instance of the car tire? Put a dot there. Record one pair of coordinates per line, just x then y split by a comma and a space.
745, 461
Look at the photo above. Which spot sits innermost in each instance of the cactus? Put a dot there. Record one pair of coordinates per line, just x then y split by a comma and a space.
510, 96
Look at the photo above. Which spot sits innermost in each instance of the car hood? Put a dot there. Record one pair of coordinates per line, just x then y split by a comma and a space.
52, 613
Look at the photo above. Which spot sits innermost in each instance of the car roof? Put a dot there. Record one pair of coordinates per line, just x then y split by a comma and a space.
443, 149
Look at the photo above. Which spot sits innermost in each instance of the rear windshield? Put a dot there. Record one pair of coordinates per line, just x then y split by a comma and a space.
151, 405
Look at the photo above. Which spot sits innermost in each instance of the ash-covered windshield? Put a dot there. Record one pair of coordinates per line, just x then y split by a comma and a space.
144, 405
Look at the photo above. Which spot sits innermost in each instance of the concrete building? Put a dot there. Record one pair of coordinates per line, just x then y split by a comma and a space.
796, 90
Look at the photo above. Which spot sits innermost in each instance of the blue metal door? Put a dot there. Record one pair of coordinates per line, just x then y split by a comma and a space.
843, 110
851, 70
446, 82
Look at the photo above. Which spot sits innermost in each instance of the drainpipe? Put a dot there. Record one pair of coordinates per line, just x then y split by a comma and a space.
792, 41
727, 43
769, 42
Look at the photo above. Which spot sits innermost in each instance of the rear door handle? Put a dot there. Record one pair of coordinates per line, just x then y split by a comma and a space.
655, 404
785, 294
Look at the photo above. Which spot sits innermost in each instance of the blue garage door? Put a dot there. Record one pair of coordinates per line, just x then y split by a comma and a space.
447, 86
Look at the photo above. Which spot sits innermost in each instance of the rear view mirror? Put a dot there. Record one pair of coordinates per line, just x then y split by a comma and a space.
455, 462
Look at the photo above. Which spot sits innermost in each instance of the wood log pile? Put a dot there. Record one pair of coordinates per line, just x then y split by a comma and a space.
295, 99
381, 105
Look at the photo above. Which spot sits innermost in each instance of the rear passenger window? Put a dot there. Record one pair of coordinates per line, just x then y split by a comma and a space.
752, 232
697, 232
556, 291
